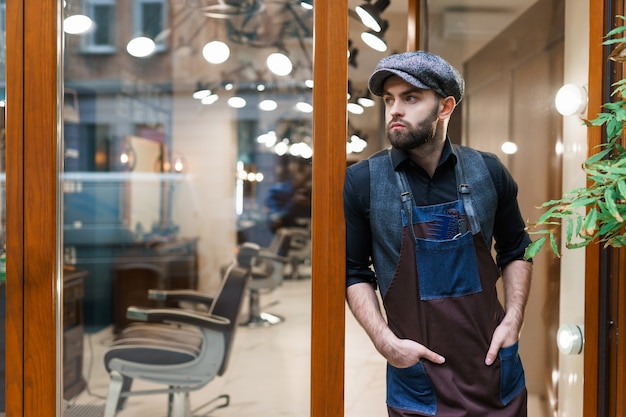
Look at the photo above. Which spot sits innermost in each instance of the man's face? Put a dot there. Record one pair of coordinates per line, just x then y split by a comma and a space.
411, 114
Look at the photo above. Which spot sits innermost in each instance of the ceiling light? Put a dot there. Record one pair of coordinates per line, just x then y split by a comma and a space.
375, 39
268, 105
279, 63
304, 107
208, 100
370, 14
141, 47
201, 91
308, 83
366, 100
77, 24
216, 52
355, 108
237, 102
307, 4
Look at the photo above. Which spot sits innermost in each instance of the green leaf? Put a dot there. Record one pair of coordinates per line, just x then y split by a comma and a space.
554, 246
589, 224
534, 248
569, 230
621, 186
609, 197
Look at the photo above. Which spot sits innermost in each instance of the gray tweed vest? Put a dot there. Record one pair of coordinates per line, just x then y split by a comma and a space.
386, 206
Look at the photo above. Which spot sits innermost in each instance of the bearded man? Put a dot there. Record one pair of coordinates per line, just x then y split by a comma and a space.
421, 218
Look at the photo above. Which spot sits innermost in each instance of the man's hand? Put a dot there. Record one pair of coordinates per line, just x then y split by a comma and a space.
504, 336
405, 353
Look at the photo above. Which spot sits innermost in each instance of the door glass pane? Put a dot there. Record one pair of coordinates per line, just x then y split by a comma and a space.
187, 133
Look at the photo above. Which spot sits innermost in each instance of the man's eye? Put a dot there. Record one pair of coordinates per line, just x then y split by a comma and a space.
387, 100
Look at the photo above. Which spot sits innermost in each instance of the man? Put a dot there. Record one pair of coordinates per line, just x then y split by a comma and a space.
451, 347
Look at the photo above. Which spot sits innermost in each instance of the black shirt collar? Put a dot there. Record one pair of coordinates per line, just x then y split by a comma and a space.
400, 158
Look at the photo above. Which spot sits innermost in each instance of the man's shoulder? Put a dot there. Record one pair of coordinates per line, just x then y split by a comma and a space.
491, 159
362, 167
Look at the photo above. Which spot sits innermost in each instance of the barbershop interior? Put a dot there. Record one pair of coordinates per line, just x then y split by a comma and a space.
186, 173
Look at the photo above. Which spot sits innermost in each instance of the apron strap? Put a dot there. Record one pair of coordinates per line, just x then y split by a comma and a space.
464, 191
405, 195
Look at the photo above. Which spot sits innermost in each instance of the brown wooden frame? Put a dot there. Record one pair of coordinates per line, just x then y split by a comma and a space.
32, 177
605, 313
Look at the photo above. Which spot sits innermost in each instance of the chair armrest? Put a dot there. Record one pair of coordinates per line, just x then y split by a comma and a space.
191, 296
174, 315
271, 256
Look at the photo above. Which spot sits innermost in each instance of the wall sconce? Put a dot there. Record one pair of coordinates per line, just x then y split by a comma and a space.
570, 339
216, 52
370, 14
375, 39
571, 99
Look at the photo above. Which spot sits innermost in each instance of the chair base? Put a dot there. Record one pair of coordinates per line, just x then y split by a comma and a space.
262, 320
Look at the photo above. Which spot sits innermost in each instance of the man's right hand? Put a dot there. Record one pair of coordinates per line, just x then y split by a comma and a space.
402, 353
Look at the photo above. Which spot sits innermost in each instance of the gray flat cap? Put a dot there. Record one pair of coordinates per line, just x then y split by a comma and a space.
421, 69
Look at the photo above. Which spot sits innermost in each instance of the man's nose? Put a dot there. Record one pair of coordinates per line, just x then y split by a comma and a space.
396, 108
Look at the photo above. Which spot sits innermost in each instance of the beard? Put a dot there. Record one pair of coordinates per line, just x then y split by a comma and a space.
412, 137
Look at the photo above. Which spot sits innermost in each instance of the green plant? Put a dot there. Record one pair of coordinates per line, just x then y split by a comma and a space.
594, 213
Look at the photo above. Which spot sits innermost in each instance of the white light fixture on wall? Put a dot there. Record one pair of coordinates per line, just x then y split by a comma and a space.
570, 339
571, 99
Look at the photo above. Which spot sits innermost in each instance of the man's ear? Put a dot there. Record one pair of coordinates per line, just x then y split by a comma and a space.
446, 107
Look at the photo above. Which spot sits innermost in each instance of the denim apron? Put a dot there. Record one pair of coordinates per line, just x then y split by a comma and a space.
443, 296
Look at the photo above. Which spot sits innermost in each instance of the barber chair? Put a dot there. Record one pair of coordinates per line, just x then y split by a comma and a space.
268, 271
183, 349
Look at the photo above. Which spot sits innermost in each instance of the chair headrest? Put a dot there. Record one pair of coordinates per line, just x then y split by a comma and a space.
247, 252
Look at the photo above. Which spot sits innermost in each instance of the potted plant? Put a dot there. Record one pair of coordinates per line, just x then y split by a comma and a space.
594, 213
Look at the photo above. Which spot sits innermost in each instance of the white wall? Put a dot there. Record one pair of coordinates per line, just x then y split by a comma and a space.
570, 374
203, 203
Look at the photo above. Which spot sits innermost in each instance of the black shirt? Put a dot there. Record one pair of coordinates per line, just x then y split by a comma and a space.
509, 232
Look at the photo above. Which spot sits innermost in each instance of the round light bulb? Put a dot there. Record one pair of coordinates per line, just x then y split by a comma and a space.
570, 99
141, 47
374, 41
77, 24
279, 64
216, 52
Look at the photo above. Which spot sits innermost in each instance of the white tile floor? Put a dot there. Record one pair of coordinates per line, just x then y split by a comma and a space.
269, 370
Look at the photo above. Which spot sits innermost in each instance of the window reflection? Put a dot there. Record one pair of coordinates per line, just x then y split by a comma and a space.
177, 119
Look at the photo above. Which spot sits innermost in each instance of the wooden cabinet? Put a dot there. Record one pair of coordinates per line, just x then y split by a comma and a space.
168, 265
73, 332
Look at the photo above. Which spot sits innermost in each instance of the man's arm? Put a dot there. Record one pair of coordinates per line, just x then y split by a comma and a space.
516, 277
400, 353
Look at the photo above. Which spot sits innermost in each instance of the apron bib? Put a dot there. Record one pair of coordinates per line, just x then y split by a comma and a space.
443, 296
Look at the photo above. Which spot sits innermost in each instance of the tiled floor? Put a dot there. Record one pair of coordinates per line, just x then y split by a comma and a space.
269, 369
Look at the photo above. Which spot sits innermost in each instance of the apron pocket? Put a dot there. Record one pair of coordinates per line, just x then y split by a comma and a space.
411, 389
447, 268
512, 379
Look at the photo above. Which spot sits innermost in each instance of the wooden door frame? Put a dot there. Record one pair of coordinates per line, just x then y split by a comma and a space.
32, 387
32, 178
